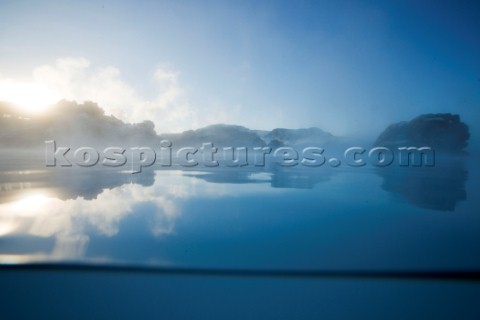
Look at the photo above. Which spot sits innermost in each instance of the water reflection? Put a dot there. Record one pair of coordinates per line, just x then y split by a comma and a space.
70, 208
439, 188
67, 183
275, 176
40, 215
53, 215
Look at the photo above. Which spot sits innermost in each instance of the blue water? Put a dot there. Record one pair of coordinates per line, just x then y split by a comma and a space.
296, 218
385, 219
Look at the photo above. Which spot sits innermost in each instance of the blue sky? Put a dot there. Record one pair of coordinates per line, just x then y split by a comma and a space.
349, 67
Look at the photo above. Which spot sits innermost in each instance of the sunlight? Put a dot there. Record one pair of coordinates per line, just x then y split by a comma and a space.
30, 97
29, 205
7, 227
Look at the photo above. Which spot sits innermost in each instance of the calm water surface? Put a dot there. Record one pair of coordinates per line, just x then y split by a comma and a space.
278, 218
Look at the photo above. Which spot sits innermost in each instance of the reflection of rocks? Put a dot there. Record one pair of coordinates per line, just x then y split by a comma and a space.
89, 183
299, 179
235, 176
68, 183
439, 188
443, 132
277, 176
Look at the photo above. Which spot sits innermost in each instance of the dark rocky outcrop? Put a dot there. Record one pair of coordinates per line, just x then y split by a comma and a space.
298, 137
71, 124
221, 135
74, 125
444, 132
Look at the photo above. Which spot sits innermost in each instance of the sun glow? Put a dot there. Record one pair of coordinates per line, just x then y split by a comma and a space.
29, 205
29, 97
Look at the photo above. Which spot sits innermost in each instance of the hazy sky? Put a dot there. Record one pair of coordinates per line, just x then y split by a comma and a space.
349, 67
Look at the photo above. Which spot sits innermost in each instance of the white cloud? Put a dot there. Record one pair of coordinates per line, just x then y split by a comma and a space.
76, 79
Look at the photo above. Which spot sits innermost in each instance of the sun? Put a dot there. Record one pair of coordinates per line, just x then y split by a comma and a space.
30, 97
